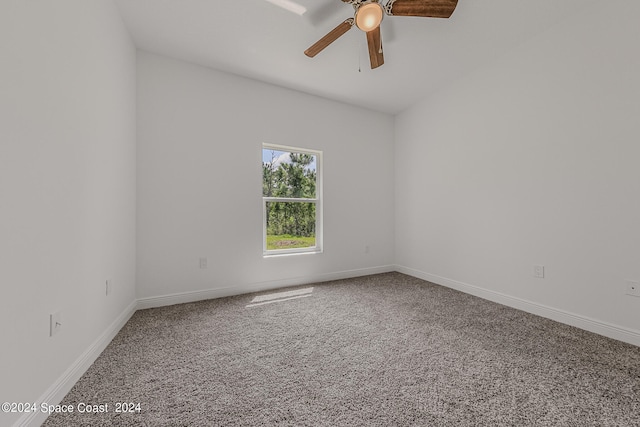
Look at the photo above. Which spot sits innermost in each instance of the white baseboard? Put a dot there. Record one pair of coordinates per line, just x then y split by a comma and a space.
63, 385
184, 297
592, 325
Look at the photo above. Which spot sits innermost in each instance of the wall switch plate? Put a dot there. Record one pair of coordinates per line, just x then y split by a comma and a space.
107, 288
633, 288
55, 323
203, 263
538, 271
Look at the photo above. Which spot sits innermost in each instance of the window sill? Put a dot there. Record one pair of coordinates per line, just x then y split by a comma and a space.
286, 254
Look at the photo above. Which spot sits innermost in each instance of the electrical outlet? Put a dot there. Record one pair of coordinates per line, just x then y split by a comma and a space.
203, 263
538, 271
107, 288
633, 288
55, 323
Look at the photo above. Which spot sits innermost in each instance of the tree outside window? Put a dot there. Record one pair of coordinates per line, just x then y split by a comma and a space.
291, 200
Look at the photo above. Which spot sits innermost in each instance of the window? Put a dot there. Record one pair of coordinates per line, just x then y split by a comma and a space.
291, 200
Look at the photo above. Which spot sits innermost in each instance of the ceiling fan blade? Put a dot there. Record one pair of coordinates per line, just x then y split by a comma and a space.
332, 36
289, 5
374, 40
426, 8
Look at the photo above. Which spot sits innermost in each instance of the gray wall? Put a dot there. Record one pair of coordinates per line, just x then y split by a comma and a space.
200, 135
533, 160
67, 185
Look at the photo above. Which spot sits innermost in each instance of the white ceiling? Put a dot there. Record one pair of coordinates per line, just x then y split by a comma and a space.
255, 39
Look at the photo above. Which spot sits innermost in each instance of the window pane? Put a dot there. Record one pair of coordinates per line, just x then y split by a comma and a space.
288, 174
290, 225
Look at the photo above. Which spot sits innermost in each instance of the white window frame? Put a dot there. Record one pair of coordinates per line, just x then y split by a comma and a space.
317, 200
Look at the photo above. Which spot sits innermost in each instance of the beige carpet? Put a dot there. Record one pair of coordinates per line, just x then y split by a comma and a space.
383, 350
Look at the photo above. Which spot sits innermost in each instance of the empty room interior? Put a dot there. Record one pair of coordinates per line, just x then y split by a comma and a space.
432, 222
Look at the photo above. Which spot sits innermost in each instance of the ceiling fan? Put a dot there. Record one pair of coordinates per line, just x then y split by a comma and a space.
368, 16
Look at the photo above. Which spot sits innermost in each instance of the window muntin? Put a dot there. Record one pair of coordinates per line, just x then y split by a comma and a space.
291, 190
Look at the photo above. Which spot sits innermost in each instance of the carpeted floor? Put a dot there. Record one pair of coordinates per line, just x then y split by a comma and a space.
383, 350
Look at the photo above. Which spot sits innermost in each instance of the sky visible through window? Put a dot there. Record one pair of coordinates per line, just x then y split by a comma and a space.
282, 157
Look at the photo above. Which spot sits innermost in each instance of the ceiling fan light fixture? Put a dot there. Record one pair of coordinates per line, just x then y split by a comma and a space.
369, 16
